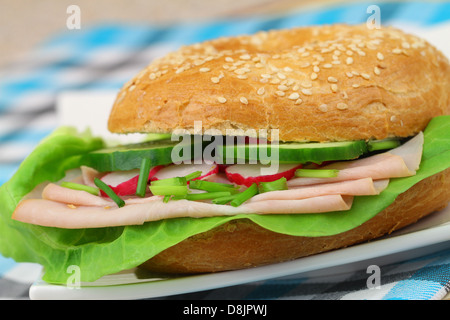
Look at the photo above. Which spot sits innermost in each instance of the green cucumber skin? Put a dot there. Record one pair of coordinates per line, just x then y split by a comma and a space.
301, 153
128, 157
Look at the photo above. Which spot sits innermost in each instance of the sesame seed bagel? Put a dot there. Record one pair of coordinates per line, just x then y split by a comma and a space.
327, 83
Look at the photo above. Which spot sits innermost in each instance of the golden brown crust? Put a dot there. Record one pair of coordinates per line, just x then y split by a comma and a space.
313, 84
241, 244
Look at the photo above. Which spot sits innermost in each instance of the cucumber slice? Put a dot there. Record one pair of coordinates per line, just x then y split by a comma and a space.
128, 157
295, 152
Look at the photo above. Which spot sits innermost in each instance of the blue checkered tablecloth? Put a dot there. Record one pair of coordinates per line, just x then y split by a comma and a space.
106, 56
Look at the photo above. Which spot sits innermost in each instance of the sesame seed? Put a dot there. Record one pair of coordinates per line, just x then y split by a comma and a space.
229, 59
355, 85
380, 56
221, 99
199, 62
397, 51
261, 91
342, 106
152, 76
307, 92
305, 65
334, 87
298, 101
349, 74
131, 88
266, 75
306, 84
305, 54
282, 87
313, 76
393, 118
349, 60
349, 52
294, 96
245, 57
259, 65
328, 65
287, 69
316, 69
180, 70
280, 93
323, 108
361, 53
281, 76
243, 100
406, 45
377, 71
365, 76
204, 69
215, 79
240, 71
275, 81
332, 79
242, 76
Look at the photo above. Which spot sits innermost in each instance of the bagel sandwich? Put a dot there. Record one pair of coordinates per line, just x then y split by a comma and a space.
289, 143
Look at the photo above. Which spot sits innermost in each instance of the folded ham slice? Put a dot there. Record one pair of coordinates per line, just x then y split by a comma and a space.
56, 214
57, 193
399, 162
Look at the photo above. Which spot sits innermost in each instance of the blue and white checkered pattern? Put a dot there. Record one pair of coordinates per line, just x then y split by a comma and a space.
106, 56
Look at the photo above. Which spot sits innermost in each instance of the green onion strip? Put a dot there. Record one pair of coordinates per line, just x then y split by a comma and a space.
143, 177
316, 173
80, 187
109, 192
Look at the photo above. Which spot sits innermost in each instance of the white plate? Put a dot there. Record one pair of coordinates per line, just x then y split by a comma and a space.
429, 235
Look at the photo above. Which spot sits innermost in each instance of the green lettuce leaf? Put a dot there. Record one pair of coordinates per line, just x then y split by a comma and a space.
102, 251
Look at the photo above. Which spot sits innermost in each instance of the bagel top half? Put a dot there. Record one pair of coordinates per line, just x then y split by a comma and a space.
327, 83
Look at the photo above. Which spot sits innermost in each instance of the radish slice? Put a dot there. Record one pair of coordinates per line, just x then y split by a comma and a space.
247, 174
124, 183
181, 170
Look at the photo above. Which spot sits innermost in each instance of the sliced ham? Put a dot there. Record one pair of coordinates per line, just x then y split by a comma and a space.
359, 187
402, 161
88, 175
55, 214
64, 195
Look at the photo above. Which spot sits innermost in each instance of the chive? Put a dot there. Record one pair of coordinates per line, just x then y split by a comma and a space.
207, 195
212, 186
280, 184
166, 198
81, 187
106, 189
224, 200
193, 175
245, 195
143, 177
175, 181
169, 190
375, 145
316, 173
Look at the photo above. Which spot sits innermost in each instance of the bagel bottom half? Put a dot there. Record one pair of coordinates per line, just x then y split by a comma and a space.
242, 244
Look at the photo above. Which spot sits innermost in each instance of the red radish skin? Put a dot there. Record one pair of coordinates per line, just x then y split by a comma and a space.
241, 173
127, 187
